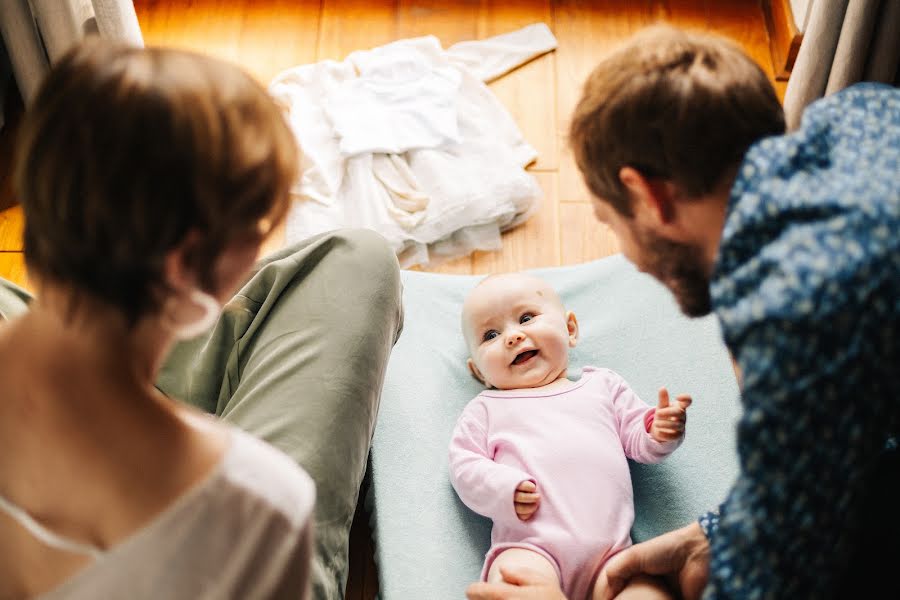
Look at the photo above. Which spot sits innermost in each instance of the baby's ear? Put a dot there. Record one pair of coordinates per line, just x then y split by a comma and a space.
572, 326
474, 370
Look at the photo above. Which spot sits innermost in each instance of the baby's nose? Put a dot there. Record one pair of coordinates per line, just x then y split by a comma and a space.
514, 338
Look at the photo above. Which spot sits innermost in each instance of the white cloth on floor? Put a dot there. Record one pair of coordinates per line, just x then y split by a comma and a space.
395, 104
407, 139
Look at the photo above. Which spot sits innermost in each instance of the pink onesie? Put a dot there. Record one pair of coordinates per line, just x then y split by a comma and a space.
572, 443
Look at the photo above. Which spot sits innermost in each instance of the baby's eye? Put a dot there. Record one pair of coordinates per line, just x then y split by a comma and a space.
525, 318
489, 335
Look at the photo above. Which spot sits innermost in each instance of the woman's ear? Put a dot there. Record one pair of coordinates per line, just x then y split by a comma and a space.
175, 265
572, 325
652, 197
475, 372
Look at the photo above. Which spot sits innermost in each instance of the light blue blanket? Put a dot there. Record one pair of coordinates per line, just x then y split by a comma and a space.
428, 545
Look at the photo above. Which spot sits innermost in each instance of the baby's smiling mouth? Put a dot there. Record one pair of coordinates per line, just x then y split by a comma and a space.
523, 357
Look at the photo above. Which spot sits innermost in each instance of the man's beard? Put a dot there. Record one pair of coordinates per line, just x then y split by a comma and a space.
680, 268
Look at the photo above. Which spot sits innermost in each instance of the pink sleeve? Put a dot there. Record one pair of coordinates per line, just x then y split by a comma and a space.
634, 418
483, 485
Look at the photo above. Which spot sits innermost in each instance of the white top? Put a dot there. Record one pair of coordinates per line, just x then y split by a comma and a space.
407, 139
242, 532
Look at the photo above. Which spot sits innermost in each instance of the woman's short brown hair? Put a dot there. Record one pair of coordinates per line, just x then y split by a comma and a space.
674, 105
126, 150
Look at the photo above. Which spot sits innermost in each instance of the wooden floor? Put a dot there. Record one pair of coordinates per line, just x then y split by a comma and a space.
267, 36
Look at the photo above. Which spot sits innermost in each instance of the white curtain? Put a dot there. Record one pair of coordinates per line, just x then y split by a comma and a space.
37, 32
845, 41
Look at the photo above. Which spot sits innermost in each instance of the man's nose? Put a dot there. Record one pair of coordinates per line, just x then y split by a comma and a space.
514, 338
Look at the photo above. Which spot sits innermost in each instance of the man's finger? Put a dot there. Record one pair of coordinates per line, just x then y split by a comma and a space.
620, 568
607, 588
663, 398
526, 497
684, 401
526, 486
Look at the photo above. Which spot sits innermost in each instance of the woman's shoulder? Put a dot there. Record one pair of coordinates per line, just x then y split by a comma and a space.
255, 471
256, 500
251, 471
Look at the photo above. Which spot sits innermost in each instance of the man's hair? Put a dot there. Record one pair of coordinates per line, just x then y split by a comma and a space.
673, 105
126, 150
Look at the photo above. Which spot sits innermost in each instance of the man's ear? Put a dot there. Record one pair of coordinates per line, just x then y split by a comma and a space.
475, 372
572, 325
652, 197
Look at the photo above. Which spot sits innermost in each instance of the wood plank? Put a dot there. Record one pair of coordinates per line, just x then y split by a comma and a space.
587, 32
784, 37
457, 266
531, 245
277, 35
690, 14
349, 25
207, 26
12, 225
265, 38
12, 268
583, 237
745, 24
528, 92
450, 22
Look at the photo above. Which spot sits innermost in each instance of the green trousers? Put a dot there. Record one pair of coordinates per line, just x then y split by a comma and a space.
298, 359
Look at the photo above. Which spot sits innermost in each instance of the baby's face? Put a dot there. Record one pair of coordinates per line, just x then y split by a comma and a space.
517, 332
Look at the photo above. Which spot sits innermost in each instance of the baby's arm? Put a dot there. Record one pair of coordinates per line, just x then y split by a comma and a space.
487, 487
648, 435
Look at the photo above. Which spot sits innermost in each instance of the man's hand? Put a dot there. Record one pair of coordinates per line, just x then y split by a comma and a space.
682, 556
526, 500
519, 583
669, 420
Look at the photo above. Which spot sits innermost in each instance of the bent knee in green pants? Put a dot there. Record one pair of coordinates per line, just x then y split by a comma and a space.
298, 359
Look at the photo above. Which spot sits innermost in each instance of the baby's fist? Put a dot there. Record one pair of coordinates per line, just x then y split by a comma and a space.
669, 420
526, 500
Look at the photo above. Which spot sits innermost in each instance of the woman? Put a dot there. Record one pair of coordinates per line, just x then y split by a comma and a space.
149, 179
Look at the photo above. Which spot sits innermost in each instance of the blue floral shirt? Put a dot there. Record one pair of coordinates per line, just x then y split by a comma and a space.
807, 289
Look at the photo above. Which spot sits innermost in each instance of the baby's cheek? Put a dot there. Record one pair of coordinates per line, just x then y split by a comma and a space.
494, 370
559, 358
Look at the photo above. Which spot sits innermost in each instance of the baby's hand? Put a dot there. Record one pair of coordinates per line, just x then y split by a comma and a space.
526, 500
669, 421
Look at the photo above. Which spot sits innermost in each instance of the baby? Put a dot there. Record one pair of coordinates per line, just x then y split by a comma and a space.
545, 457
